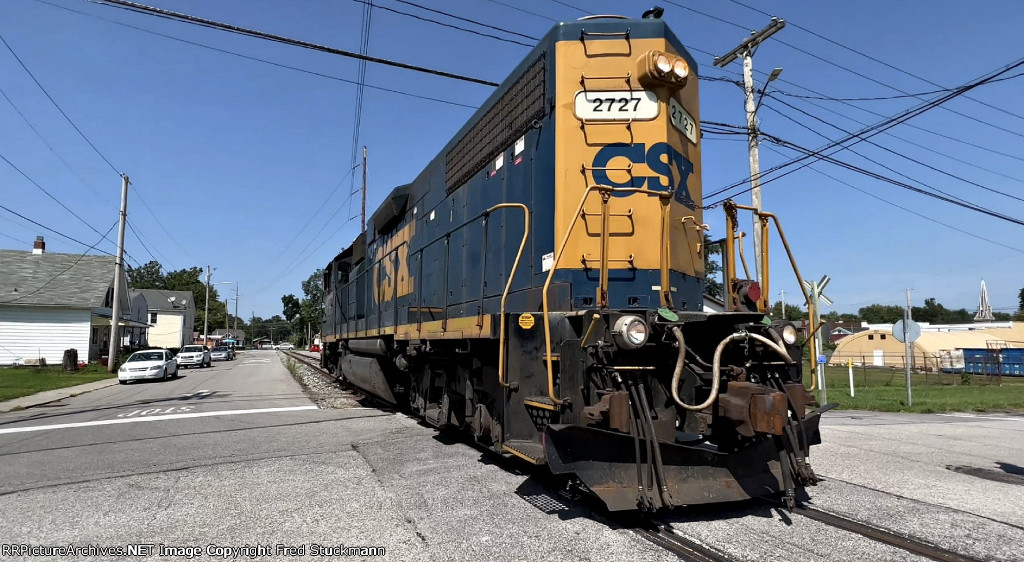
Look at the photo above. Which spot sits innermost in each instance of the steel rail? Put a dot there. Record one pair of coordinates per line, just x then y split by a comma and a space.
915, 546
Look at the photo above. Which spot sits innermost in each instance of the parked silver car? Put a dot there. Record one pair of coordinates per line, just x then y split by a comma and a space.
194, 356
222, 353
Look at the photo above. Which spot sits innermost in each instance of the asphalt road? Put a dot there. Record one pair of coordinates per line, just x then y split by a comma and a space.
252, 462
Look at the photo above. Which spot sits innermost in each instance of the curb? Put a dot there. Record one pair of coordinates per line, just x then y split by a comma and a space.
56, 395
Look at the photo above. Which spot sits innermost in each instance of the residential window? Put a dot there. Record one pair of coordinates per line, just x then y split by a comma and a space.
95, 336
152, 318
883, 336
871, 336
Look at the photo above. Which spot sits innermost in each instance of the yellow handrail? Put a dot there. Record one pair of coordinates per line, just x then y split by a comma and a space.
603, 189
508, 284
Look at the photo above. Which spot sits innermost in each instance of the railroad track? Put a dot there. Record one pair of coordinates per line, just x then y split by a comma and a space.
313, 364
915, 546
662, 535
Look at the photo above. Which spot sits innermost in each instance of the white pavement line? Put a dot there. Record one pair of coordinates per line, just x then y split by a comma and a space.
153, 418
1002, 418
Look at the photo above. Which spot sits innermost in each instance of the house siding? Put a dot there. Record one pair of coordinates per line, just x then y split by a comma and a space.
167, 332
28, 332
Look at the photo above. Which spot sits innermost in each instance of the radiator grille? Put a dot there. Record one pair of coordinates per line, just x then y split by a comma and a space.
509, 118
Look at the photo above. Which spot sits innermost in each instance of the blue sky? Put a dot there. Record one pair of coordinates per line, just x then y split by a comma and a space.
248, 165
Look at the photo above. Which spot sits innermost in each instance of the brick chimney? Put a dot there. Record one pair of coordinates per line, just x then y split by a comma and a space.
39, 246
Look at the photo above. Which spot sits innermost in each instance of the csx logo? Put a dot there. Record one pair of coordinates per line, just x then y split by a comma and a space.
673, 168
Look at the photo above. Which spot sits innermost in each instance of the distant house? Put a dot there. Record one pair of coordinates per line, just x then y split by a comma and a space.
221, 335
51, 302
172, 315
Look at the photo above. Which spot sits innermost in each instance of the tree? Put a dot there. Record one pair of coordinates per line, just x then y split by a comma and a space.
291, 307
881, 313
712, 286
793, 312
148, 276
1002, 316
934, 313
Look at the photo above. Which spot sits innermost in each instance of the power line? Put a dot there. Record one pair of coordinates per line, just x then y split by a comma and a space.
518, 9
891, 151
886, 201
48, 229
869, 57
881, 126
851, 71
257, 59
55, 104
451, 26
48, 145
50, 195
918, 145
940, 196
69, 268
167, 14
881, 98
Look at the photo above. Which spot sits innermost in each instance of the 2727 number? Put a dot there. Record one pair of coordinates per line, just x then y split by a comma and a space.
608, 104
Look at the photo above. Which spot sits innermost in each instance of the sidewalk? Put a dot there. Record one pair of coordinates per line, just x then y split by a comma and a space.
54, 395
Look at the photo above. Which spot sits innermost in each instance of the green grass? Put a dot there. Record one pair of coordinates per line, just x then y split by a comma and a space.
885, 390
16, 382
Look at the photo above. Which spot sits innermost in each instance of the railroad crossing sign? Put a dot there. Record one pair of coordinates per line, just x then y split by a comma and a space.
817, 291
913, 331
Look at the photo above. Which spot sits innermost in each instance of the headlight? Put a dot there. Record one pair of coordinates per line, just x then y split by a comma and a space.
680, 69
630, 332
155, 368
789, 334
663, 63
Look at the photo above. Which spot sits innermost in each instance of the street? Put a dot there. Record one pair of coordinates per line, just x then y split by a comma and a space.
237, 455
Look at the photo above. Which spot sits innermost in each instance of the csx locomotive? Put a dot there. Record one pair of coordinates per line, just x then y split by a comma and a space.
539, 286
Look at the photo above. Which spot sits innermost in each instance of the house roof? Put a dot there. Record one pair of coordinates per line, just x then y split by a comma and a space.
51, 279
159, 300
229, 333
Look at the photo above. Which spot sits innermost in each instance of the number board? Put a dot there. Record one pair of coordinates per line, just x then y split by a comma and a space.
682, 120
616, 106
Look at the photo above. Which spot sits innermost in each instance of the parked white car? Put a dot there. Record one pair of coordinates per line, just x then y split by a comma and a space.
148, 364
194, 356
285, 345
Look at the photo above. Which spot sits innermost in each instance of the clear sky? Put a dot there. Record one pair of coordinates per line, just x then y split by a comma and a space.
247, 165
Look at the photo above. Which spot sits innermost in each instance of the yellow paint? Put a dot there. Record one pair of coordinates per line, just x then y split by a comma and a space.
523, 456
635, 223
391, 276
526, 321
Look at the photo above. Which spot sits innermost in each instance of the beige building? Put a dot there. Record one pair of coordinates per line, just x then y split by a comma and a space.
933, 351
172, 315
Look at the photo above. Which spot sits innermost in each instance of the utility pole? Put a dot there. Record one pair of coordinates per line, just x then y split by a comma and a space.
227, 321
782, 295
908, 346
746, 50
206, 315
115, 312
363, 216
236, 306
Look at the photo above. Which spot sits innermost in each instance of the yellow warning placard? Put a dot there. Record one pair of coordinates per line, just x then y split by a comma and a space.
526, 321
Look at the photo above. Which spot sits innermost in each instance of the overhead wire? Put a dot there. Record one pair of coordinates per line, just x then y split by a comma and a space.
899, 154
202, 22
869, 57
878, 127
842, 67
901, 207
257, 59
884, 98
48, 229
522, 10
62, 272
444, 24
80, 133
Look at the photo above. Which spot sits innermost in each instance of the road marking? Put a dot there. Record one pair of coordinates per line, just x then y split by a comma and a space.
153, 418
1003, 418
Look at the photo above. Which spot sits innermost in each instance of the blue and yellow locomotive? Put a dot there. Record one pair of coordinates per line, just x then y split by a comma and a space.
540, 286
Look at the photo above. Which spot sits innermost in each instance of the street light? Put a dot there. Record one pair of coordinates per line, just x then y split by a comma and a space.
206, 315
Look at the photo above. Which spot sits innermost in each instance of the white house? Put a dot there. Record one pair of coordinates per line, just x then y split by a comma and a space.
52, 302
172, 315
